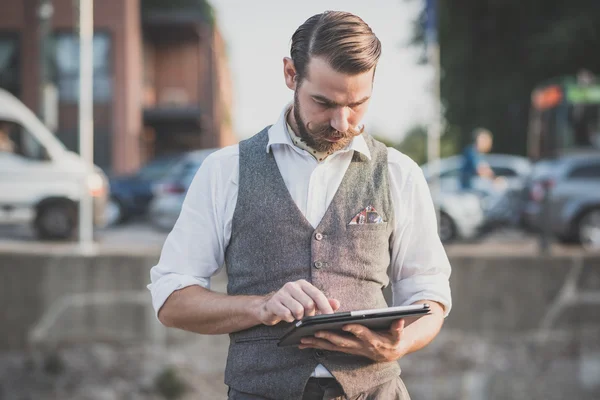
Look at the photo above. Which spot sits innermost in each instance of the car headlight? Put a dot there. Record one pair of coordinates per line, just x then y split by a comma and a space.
96, 185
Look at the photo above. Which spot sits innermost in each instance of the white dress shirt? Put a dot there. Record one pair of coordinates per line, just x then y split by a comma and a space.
194, 251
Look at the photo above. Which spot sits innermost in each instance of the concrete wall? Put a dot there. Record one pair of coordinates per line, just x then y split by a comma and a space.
521, 327
101, 298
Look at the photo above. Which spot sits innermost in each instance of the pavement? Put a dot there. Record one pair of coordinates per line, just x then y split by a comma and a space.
140, 236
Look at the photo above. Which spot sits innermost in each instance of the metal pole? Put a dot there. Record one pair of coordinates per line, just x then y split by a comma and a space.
86, 117
435, 127
545, 238
45, 12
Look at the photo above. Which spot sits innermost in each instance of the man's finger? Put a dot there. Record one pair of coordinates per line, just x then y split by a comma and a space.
361, 332
293, 305
276, 308
338, 340
314, 343
318, 297
335, 304
396, 330
304, 299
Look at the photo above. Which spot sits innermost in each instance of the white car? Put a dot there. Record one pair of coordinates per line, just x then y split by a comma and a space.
463, 214
41, 182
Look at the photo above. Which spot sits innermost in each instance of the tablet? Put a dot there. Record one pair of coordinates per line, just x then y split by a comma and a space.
376, 319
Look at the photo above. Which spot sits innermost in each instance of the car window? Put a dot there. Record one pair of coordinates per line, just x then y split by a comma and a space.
504, 172
586, 172
15, 139
451, 173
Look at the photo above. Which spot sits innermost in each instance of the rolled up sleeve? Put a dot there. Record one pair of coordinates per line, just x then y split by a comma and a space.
194, 250
420, 269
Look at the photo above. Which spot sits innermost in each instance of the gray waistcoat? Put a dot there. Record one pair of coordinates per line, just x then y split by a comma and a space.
272, 243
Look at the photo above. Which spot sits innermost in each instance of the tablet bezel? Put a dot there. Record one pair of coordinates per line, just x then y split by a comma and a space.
376, 319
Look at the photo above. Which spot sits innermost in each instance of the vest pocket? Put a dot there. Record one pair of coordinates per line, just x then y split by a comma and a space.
367, 227
256, 339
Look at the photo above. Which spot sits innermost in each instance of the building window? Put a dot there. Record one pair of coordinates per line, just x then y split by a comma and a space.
10, 66
67, 67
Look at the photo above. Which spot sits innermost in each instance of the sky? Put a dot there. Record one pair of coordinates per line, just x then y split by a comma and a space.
258, 35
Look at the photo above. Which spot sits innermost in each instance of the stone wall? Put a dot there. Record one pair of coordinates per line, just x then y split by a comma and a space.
520, 328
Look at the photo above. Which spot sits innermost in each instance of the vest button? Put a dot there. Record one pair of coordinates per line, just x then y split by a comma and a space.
318, 264
319, 236
319, 354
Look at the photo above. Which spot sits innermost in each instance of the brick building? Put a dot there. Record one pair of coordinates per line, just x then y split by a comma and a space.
161, 80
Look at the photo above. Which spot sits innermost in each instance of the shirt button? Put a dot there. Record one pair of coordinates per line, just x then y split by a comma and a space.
319, 236
318, 264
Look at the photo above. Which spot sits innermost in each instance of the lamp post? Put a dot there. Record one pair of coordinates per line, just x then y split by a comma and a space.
86, 118
434, 130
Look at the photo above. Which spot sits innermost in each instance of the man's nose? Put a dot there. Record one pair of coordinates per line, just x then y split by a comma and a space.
339, 120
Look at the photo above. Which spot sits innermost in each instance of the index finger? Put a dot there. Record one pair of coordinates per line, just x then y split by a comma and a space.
396, 330
317, 296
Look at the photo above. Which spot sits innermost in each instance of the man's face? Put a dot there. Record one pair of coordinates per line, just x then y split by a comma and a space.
484, 143
328, 105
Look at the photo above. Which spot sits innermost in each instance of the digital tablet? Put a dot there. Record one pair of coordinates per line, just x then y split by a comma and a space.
376, 319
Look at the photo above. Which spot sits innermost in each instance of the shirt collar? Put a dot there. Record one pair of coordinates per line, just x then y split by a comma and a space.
279, 135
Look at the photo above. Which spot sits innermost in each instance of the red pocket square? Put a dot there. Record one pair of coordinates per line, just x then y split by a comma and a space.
367, 216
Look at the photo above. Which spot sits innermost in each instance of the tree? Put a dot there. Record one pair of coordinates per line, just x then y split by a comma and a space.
414, 144
494, 53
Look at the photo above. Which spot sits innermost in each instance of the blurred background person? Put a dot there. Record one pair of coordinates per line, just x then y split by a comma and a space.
472, 164
6, 144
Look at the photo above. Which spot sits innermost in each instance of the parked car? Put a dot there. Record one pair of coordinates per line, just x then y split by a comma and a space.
170, 193
573, 185
41, 181
131, 195
461, 215
464, 214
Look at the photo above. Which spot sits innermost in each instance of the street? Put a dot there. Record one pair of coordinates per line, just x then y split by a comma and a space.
140, 236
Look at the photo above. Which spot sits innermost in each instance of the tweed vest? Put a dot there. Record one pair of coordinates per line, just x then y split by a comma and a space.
272, 243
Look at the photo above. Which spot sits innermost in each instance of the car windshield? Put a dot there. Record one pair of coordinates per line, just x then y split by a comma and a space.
156, 169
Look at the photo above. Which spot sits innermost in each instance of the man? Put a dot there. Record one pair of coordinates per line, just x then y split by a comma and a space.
282, 210
6, 144
472, 166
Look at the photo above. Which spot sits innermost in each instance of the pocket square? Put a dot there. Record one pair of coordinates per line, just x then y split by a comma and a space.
367, 216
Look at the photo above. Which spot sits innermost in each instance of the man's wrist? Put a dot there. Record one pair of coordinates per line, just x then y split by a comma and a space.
254, 308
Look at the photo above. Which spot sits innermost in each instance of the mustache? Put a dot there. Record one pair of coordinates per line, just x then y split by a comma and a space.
328, 131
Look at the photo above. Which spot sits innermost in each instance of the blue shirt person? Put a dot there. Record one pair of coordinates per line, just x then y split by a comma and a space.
472, 164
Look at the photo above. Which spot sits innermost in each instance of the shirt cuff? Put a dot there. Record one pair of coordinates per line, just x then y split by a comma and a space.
167, 284
423, 287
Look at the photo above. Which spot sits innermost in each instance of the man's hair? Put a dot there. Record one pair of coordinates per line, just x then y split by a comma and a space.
343, 39
480, 131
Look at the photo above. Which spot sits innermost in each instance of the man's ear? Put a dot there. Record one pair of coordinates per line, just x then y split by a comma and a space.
289, 73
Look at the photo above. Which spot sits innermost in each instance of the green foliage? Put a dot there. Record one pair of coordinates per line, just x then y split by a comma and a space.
495, 52
414, 143
169, 384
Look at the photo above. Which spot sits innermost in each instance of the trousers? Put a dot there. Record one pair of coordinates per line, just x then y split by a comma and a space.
330, 389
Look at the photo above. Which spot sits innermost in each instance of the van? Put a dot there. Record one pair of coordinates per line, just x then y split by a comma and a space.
41, 182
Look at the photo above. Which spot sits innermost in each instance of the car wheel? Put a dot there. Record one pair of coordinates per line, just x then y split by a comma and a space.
56, 220
447, 228
114, 212
588, 229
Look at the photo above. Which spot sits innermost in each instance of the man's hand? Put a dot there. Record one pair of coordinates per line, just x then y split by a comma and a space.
294, 301
382, 346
